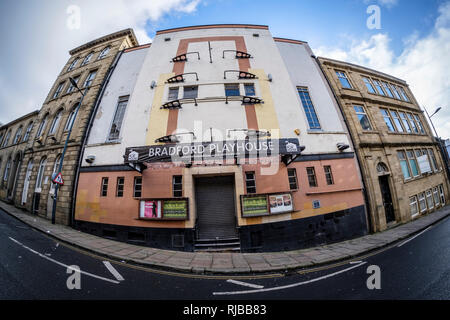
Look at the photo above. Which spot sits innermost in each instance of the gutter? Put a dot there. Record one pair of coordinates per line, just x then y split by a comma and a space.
86, 134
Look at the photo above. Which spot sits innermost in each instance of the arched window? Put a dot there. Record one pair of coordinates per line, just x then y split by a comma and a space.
27, 133
5, 142
72, 65
41, 128
70, 119
103, 53
55, 122
17, 136
40, 174
87, 58
7, 170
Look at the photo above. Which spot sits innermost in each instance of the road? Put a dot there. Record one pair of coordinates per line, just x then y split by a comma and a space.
35, 266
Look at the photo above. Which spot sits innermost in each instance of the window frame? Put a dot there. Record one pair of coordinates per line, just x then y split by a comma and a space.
369, 86
386, 117
247, 180
177, 187
292, 178
422, 198
194, 90
104, 187
227, 87
310, 111
88, 81
404, 159
17, 136
430, 206
7, 137
59, 89
312, 178
135, 185
252, 92
118, 118
87, 59
73, 64
120, 186
342, 76
328, 175
104, 53
379, 87
414, 161
397, 121
413, 201
171, 92
55, 123
360, 115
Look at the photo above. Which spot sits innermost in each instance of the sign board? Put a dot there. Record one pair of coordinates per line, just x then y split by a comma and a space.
164, 209
58, 179
424, 164
266, 204
199, 151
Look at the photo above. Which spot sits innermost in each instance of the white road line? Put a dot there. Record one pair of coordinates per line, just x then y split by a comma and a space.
355, 262
289, 285
114, 272
245, 284
62, 264
413, 237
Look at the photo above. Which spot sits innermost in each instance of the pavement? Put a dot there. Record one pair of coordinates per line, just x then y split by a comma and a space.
228, 263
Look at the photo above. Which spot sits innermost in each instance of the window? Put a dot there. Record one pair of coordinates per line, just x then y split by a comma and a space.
388, 120
71, 87
413, 123
419, 123
404, 95
116, 125
387, 89
369, 85
103, 53
328, 175
313, 120
249, 89
362, 117
436, 196
70, 119
7, 169
177, 186
422, 202
433, 161
397, 121
42, 126
430, 199
343, 79
55, 122
378, 87
72, 65
137, 189
104, 187
1, 137
87, 59
405, 121
396, 92
173, 94
40, 174
413, 206
58, 90
190, 92
119, 187
232, 90
311, 176
441, 193
250, 182
412, 163
292, 175
27, 133
404, 164
5, 142
90, 78
17, 136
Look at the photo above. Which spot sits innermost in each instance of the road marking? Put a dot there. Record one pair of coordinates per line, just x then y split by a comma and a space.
114, 272
289, 285
355, 262
413, 237
62, 264
245, 284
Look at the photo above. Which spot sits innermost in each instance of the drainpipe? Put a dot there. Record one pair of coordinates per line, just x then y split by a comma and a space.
366, 197
86, 134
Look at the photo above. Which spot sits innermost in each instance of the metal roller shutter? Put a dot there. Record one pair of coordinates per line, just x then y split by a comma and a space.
215, 206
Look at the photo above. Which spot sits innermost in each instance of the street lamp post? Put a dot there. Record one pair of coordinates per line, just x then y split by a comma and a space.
443, 151
55, 196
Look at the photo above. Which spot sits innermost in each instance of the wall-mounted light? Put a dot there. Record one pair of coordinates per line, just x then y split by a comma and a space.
90, 159
238, 54
251, 100
342, 146
180, 78
153, 84
183, 57
269, 77
175, 104
242, 74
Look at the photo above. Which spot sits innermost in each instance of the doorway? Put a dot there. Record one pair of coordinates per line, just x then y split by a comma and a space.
216, 209
387, 198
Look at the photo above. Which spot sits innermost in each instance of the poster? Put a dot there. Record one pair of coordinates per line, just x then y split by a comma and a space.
424, 164
254, 206
175, 209
150, 209
280, 203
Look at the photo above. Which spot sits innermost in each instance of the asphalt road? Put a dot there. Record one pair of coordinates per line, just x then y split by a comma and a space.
34, 266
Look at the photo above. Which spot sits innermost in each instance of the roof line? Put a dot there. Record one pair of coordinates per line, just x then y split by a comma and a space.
143, 46
289, 40
212, 26
35, 112
110, 36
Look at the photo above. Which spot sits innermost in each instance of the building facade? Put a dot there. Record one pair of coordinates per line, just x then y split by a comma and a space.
219, 136
89, 65
14, 140
403, 170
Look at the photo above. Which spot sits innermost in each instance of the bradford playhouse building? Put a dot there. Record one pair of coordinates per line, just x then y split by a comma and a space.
217, 137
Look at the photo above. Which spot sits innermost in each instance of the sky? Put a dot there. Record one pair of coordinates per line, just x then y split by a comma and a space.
411, 40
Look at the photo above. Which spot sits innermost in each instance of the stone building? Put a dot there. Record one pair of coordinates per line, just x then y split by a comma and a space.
90, 66
403, 170
220, 137
14, 140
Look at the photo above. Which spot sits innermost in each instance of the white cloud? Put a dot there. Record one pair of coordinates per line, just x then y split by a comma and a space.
423, 64
39, 40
